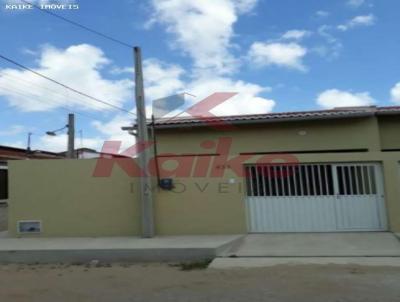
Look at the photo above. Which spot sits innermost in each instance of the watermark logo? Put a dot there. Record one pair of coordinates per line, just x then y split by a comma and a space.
200, 111
185, 166
214, 156
18, 5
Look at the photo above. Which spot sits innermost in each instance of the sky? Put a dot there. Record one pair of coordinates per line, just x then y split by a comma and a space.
278, 55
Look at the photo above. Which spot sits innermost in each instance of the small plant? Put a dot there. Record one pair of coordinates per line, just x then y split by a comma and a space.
194, 265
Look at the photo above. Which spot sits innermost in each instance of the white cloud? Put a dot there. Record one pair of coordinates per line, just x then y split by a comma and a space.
78, 66
288, 55
245, 6
365, 20
203, 29
322, 13
338, 98
59, 143
111, 130
395, 93
16, 144
162, 79
246, 101
12, 130
167, 80
296, 34
355, 3
333, 47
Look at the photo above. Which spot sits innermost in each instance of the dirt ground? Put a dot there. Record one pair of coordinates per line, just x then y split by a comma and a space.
163, 282
3, 217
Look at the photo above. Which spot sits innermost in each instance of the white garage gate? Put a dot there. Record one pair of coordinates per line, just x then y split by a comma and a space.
315, 198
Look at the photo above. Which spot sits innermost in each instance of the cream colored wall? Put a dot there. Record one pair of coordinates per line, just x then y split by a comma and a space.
69, 201
391, 169
390, 132
340, 134
201, 206
76, 204
210, 211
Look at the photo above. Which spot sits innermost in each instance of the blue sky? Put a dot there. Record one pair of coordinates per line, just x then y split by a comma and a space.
284, 55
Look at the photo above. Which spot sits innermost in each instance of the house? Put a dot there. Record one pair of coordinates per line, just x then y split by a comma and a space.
315, 171
88, 153
11, 153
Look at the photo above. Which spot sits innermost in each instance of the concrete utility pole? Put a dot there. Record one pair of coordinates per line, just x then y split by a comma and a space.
71, 136
28, 148
146, 197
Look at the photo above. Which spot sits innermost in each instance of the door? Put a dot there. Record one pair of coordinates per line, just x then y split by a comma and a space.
3, 183
360, 200
315, 198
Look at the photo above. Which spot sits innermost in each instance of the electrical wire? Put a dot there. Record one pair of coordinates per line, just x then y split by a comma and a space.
28, 96
96, 32
91, 30
64, 85
34, 85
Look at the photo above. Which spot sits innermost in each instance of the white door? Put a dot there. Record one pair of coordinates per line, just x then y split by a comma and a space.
315, 198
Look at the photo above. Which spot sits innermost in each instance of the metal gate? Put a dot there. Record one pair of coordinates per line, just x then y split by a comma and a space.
315, 198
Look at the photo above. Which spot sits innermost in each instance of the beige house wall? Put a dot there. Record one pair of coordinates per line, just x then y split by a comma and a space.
341, 134
220, 207
390, 132
69, 201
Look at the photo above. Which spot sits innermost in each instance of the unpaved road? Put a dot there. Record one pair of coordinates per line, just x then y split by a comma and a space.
161, 282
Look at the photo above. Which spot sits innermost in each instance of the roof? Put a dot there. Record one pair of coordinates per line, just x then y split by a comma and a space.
336, 113
80, 150
83, 150
7, 152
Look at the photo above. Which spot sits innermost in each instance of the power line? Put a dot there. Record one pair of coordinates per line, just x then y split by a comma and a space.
63, 85
31, 84
80, 25
28, 96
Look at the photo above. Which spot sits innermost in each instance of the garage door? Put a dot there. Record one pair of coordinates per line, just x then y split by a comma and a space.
315, 198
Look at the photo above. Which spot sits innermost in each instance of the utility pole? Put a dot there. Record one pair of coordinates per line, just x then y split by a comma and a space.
71, 136
146, 197
28, 148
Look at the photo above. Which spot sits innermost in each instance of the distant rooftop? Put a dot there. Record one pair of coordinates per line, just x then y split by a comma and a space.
336, 113
8, 152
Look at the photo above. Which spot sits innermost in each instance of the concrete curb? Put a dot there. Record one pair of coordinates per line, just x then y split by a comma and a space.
237, 263
226, 249
107, 255
82, 250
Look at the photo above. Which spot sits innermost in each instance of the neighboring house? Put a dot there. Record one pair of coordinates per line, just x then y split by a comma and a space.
87, 153
11, 153
316, 171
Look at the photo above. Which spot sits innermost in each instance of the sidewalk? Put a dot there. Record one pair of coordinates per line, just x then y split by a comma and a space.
113, 249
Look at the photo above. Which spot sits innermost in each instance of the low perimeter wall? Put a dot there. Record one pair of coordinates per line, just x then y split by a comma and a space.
70, 201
